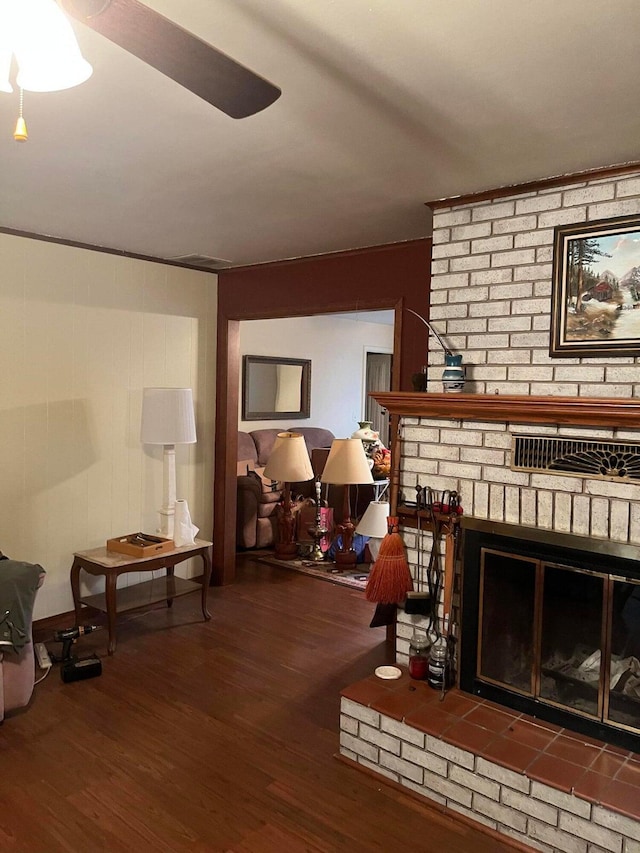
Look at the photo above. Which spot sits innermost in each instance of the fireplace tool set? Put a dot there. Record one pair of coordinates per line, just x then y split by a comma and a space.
439, 584
446, 501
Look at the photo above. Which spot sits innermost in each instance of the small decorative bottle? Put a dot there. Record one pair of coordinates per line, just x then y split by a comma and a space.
418, 656
438, 667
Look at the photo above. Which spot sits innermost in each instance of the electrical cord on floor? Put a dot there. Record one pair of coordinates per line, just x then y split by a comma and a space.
42, 677
43, 660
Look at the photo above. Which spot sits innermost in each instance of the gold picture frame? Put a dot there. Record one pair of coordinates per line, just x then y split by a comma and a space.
595, 304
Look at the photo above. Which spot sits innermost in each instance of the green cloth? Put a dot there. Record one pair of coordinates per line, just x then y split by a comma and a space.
18, 586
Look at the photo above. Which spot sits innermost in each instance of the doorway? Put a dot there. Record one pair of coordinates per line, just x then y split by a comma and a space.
378, 370
378, 278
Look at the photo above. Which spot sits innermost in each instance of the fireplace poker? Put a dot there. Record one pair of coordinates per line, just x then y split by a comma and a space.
449, 567
433, 572
417, 602
449, 549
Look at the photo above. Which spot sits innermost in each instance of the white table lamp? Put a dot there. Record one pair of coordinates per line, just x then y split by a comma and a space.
168, 419
374, 525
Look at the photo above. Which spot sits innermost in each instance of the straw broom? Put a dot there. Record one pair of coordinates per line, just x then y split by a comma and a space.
390, 579
385, 613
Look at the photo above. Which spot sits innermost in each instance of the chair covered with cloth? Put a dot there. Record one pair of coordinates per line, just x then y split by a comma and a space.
19, 583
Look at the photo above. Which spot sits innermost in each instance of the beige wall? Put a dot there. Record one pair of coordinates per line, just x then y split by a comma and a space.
81, 333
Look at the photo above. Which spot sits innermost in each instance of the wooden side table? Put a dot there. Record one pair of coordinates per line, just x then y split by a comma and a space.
99, 561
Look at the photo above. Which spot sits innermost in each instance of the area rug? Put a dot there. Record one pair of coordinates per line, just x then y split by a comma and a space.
356, 579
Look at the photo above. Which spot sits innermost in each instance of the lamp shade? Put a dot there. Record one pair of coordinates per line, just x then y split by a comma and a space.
167, 416
289, 460
347, 463
44, 44
5, 67
374, 521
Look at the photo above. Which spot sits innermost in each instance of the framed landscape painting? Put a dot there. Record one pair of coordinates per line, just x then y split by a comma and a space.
595, 304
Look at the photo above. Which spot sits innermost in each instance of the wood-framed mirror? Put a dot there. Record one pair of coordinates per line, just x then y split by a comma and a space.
275, 388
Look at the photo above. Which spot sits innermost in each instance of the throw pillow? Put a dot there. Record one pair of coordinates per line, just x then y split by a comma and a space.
244, 466
267, 484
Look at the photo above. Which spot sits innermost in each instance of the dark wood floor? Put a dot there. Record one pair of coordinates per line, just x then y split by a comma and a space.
216, 736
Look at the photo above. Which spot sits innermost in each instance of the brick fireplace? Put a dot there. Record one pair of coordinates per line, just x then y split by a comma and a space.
490, 299
436, 428
543, 783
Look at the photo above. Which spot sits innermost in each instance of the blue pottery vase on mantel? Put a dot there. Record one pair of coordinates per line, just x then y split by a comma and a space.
453, 376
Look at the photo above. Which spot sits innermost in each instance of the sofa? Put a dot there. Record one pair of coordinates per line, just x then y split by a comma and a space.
259, 497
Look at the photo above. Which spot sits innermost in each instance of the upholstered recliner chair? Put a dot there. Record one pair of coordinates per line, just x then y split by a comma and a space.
257, 496
19, 583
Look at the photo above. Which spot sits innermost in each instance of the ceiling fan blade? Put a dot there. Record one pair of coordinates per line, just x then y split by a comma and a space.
180, 55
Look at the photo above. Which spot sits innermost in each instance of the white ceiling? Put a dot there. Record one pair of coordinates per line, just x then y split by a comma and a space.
386, 104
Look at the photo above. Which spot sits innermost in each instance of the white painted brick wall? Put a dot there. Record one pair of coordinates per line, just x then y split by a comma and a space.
405, 733
475, 782
505, 340
495, 210
491, 288
403, 769
515, 240
384, 741
605, 838
503, 815
507, 802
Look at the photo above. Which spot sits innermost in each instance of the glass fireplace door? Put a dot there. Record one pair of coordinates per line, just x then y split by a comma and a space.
550, 626
506, 635
572, 638
542, 630
624, 667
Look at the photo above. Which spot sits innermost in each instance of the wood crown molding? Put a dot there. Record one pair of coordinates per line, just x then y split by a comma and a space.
105, 250
525, 409
596, 174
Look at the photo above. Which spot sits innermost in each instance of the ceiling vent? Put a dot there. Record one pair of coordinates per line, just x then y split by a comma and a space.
602, 460
201, 261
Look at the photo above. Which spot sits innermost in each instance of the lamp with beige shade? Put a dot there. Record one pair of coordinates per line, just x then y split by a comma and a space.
346, 465
288, 463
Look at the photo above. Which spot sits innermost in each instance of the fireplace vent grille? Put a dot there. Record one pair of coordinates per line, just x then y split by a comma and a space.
583, 457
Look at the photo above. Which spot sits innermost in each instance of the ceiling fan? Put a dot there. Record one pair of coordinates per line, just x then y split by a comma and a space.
180, 55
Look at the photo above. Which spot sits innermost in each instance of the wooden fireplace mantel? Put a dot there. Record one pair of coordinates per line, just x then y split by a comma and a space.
524, 409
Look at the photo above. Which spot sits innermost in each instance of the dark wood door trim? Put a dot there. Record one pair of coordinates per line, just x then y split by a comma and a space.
393, 277
226, 451
226, 440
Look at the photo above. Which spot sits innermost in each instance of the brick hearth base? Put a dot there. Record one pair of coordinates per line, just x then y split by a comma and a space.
541, 785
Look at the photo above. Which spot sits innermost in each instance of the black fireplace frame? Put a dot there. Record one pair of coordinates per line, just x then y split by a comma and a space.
600, 555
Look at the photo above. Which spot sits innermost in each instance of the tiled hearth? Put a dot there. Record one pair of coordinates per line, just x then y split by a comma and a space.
547, 787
